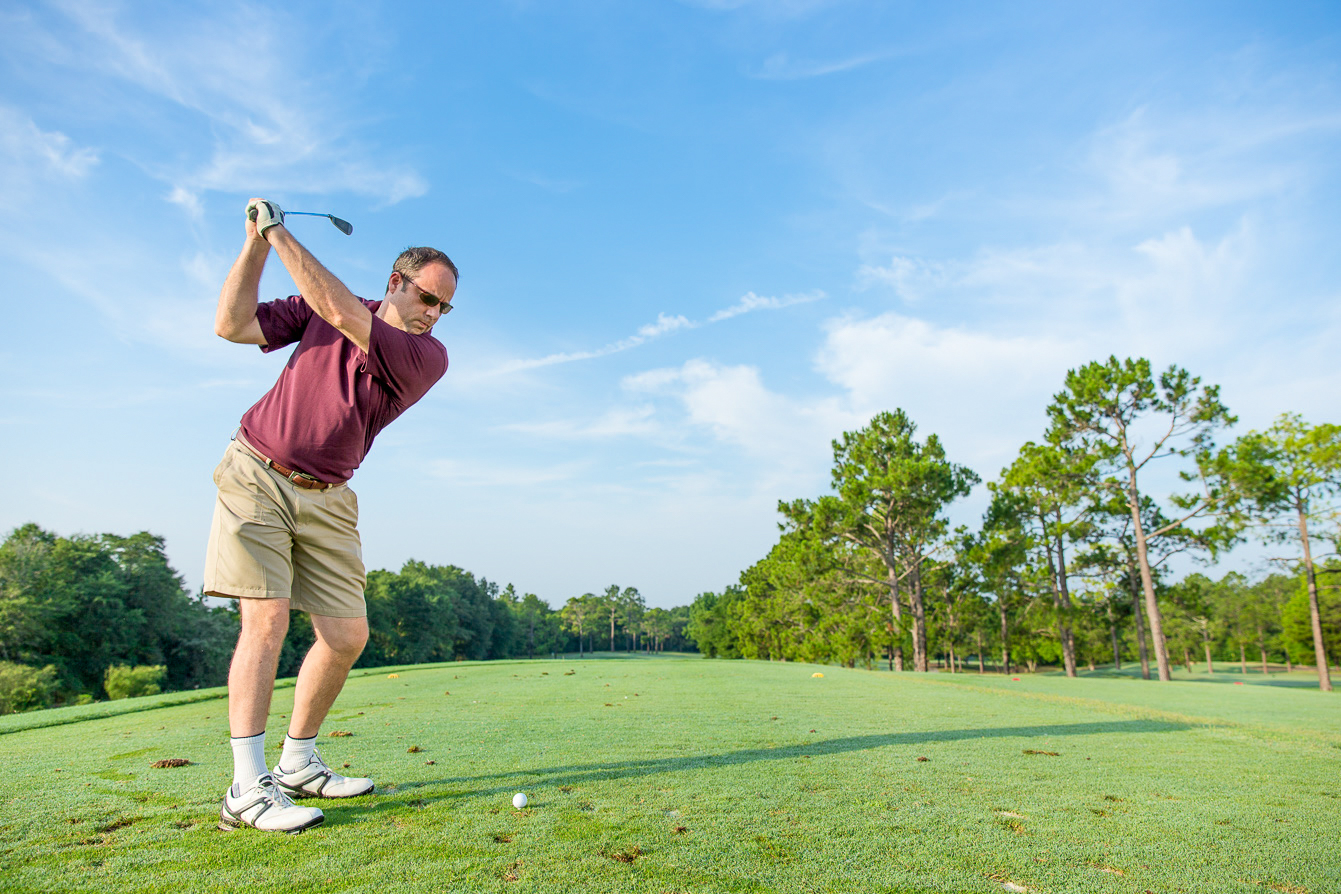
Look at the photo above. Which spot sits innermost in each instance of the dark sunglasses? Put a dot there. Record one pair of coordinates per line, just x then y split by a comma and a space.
429, 299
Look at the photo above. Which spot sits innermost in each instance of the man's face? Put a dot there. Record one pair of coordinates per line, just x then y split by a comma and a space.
420, 297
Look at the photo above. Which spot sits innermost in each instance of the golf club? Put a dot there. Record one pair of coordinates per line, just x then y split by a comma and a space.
343, 226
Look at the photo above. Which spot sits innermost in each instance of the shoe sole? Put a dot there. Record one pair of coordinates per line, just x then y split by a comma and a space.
227, 825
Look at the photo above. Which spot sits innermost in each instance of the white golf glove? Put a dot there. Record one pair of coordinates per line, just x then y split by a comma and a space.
266, 214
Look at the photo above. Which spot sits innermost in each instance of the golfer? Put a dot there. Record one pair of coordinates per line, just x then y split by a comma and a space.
285, 535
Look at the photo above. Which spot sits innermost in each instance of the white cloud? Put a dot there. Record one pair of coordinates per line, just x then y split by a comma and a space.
983, 393
189, 200
733, 404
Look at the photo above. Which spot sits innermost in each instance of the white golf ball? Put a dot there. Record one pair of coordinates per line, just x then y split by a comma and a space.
519, 800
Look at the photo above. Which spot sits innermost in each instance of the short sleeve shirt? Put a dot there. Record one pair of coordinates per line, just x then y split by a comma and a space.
332, 398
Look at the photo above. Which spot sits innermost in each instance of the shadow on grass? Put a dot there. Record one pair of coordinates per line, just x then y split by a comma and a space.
1225, 674
1258, 680
575, 774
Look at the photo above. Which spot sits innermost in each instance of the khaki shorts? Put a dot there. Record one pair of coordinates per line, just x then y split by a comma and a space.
271, 539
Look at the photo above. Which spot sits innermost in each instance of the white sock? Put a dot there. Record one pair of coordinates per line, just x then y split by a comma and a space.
297, 752
248, 760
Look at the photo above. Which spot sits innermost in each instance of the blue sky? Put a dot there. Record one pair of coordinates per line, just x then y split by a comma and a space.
698, 241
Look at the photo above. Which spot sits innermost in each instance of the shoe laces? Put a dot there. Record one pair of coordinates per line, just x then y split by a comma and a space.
272, 791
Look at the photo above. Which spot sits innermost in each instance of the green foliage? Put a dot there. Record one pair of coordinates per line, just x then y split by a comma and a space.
883, 527
710, 623
122, 681
1297, 625
24, 688
84, 603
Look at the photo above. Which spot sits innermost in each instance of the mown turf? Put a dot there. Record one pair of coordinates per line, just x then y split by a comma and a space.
670, 775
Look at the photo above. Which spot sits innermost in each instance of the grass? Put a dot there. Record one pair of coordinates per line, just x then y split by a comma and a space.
686, 775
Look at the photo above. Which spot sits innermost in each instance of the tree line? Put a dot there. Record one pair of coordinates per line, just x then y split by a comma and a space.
102, 616
1071, 560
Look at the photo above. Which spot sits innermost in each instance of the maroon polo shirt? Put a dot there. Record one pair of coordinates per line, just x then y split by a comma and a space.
332, 398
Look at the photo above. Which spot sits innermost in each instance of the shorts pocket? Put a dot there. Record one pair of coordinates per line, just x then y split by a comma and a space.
244, 497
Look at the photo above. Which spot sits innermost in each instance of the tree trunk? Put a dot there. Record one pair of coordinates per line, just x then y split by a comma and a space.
919, 621
1289, 665
1060, 597
1261, 647
1113, 635
1206, 642
1005, 635
1148, 583
982, 669
1319, 651
1187, 659
896, 625
1139, 617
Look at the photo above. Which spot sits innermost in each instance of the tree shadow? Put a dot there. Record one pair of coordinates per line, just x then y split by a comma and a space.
1253, 680
576, 774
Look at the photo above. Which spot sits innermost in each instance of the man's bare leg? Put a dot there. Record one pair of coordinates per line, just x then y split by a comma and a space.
251, 676
301, 771
339, 643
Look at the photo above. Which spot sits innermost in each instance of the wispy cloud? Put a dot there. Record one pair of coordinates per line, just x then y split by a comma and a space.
665, 324
234, 75
560, 185
467, 473
752, 302
617, 423
773, 9
781, 67
30, 155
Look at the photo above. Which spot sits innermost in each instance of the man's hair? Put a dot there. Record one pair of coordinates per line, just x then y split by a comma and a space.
414, 259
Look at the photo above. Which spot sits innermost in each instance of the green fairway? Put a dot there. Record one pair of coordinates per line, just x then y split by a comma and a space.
687, 775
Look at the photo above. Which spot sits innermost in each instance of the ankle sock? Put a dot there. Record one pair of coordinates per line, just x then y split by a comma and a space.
248, 760
297, 752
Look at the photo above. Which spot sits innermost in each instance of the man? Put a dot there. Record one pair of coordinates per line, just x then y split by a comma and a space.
285, 533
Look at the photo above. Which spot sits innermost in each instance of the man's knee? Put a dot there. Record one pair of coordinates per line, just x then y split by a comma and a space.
344, 636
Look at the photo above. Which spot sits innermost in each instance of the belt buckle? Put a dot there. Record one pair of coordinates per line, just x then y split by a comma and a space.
295, 477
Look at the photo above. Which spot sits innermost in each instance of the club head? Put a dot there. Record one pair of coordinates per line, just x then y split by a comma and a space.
343, 226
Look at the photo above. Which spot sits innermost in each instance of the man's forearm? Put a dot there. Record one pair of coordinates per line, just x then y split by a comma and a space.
235, 318
329, 298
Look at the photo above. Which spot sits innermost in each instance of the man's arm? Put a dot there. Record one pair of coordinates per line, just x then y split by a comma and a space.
326, 295
235, 319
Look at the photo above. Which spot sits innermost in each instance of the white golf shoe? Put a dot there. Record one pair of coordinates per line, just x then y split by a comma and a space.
264, 806
317, 780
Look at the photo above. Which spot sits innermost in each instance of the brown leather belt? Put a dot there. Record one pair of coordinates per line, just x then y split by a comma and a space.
302, 479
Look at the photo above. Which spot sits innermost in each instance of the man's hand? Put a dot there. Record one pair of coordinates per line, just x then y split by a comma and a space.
265, 214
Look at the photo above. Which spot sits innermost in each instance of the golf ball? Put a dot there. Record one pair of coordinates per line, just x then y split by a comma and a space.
519, 800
